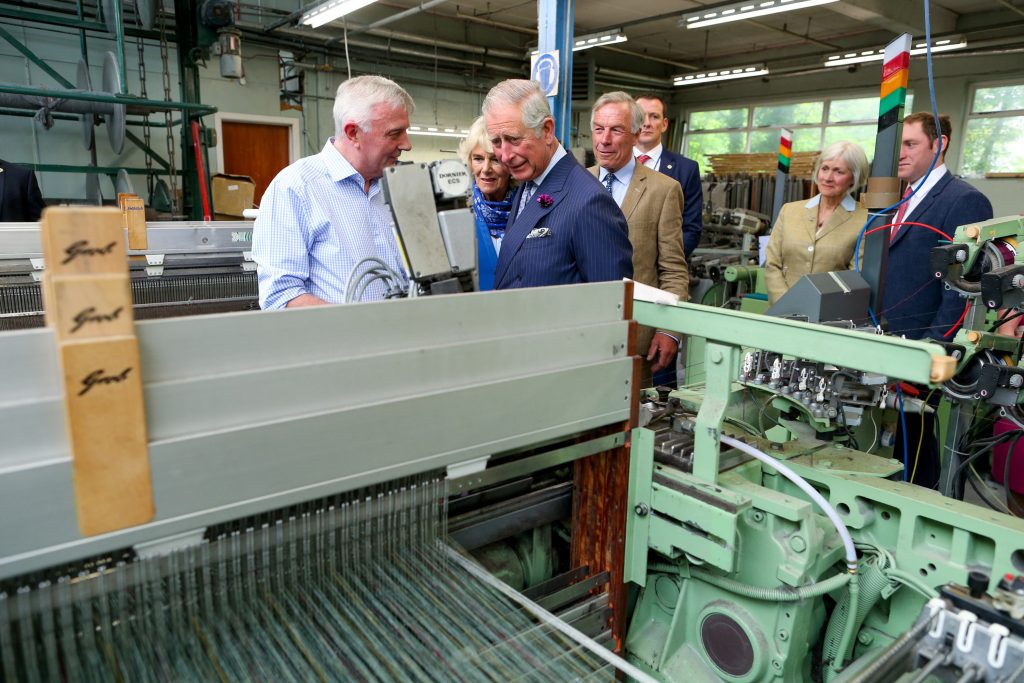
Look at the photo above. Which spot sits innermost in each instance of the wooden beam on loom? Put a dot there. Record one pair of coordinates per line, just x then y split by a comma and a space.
601, 497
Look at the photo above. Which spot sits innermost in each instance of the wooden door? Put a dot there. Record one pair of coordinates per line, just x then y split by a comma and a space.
258, 150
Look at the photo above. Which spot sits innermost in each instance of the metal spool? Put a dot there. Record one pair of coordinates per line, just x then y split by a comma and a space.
109, 8
116, 119
123, 184
84, 82
146, 11
93, 193
964, 385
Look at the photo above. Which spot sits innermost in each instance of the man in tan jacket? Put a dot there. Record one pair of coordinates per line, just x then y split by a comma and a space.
653, 206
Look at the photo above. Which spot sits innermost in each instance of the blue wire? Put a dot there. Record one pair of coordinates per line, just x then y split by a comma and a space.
903, 429
938, 130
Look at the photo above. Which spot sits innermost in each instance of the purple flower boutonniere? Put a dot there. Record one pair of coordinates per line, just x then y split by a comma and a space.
545, 200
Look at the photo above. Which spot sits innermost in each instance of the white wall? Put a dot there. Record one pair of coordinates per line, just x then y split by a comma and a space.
1004, 193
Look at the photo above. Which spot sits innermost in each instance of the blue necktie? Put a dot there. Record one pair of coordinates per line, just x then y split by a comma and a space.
608, 181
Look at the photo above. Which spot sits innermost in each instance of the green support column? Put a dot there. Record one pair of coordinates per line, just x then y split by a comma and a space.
721, 364
186, 34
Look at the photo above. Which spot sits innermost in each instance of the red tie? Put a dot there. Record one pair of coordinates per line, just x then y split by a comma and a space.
900, 214
643, 159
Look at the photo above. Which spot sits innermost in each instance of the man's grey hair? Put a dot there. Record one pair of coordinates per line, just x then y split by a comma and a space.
356, 98
477, 138
525, 94
851, 154
636, 112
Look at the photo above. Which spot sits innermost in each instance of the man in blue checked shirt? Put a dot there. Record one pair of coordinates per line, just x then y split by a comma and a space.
324, 214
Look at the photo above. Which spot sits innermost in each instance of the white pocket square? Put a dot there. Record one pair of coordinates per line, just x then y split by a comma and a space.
539, 232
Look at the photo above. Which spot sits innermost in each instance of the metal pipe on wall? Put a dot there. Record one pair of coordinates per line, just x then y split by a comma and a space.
255, 33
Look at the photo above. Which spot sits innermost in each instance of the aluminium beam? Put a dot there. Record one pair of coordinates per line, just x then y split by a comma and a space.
257, 411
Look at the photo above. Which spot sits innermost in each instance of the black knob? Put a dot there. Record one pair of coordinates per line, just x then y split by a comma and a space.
977, 583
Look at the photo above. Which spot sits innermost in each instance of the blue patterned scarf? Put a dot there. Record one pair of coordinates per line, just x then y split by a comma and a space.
493, 214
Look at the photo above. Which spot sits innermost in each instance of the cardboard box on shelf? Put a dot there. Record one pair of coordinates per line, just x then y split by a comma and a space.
232, 194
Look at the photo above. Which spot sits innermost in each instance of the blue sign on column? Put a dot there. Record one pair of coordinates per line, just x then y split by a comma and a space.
544, 70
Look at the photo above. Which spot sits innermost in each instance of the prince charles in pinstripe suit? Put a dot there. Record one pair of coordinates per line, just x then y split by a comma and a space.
564, 227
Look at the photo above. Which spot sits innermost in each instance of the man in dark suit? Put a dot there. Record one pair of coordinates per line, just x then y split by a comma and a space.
915, 303
20, 199
564, 227
652, 154
652, 204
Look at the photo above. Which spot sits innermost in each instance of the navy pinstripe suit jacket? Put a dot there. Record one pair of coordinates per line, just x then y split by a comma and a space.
587, 238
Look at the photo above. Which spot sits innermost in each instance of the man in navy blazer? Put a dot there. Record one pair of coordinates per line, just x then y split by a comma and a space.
685, 171
564, 227
20, 198
915, 303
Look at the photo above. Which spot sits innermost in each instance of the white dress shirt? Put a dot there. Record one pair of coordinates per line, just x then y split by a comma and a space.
654, 163
922, 187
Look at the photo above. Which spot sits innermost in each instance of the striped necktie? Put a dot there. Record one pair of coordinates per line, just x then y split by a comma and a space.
900, 215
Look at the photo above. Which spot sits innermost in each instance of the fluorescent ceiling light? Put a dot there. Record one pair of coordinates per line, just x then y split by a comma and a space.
738, 11
863, 56
594, 40
721, 75
439, 131
328, 11
597, 40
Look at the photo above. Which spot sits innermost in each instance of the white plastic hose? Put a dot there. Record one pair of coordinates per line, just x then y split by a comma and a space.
830, 512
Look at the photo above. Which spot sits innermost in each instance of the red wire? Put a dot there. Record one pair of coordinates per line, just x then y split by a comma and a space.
936, 230
920, 225
958, 321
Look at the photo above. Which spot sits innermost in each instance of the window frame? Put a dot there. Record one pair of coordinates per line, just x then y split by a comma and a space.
970, 115
750, 128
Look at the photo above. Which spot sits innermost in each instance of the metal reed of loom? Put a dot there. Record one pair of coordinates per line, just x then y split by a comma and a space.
355, 589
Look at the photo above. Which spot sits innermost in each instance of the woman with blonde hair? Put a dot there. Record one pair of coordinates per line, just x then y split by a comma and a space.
819, 235
492, 199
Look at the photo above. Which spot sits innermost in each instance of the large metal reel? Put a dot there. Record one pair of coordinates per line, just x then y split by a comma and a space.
84, 82
116, 119
146, 11
109, 8
93, 193
123, 184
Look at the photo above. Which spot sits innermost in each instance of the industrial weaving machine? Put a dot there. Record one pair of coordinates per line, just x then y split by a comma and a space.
811, 561
184, 269
305, 470
315, 496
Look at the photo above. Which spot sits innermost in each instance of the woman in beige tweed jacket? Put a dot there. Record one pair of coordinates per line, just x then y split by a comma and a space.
819, 235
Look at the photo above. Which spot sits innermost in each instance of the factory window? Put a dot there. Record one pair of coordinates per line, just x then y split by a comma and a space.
815, 125
994, 136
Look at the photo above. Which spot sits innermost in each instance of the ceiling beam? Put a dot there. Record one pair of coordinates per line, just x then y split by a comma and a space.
897, 16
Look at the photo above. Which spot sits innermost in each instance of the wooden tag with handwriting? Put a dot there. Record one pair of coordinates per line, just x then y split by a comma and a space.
90, 307
106, 423
83, 241
88, 304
